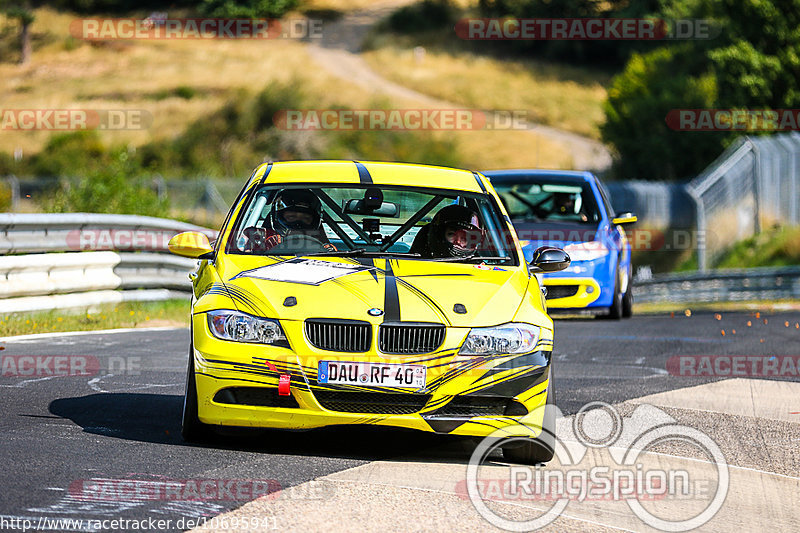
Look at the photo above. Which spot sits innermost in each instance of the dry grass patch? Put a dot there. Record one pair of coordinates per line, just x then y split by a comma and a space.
126, 75
564, 97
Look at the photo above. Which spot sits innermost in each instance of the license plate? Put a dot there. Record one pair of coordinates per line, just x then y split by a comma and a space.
372, 374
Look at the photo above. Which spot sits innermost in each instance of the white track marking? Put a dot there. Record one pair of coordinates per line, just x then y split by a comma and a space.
37, 336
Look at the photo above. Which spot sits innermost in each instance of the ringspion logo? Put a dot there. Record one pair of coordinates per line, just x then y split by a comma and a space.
602, 457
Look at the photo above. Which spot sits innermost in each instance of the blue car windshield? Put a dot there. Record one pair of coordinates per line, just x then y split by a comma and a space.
547, 201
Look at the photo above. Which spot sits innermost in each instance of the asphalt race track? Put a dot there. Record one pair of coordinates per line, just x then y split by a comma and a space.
108, 445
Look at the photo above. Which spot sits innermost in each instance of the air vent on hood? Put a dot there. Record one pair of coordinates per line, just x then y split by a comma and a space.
338, 335
408, 338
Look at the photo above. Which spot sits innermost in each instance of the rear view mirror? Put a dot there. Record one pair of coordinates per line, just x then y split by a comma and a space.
549, 259
359, 207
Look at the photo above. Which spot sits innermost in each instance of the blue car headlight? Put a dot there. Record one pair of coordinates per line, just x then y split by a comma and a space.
511, 338
586, 251
240, 327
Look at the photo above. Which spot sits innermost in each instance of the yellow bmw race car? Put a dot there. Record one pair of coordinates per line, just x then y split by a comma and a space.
341, 292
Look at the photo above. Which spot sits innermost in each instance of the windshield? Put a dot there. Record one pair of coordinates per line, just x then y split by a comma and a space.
354, 220
546, 201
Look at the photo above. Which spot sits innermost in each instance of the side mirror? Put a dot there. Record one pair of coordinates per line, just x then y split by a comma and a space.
190, 244
549, 259
625, 218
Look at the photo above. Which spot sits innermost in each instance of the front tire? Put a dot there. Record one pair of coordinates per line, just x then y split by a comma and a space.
627, 303
617, 304
192, 430
542, 448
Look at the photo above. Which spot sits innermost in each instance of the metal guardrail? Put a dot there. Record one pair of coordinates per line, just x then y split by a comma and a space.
32, 233
721, 286
75, 278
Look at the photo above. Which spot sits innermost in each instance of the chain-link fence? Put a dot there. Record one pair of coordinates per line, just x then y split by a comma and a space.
753, 184
657, 204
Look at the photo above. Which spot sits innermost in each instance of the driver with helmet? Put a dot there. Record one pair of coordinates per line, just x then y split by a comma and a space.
455, 231
293, 212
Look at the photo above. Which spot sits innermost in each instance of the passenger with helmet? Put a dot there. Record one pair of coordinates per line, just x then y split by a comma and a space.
293, 212
455, 231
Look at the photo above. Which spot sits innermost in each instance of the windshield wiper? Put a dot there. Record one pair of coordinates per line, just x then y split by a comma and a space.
471, 257
360, 252
354, 251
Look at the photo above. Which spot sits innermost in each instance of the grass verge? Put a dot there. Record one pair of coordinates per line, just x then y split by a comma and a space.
682, 308
111, 316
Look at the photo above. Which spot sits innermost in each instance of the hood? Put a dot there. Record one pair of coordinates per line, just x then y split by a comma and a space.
374, 290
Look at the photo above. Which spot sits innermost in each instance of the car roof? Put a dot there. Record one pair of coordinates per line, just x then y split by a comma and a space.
525, 175
370, 172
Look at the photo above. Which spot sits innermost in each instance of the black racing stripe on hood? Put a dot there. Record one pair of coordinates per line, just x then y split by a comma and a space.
369, 262
363, 174
431, 302
391, 298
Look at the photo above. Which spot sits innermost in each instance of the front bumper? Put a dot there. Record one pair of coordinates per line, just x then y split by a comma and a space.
237, 385
572, 292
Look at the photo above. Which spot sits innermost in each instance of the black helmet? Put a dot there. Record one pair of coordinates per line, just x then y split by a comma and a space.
295, 210
455, 232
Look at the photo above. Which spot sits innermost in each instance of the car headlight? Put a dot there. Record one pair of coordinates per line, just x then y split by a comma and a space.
240, 327
511, 338
586, 251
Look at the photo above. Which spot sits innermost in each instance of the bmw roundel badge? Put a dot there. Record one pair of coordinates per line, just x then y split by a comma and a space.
375, 312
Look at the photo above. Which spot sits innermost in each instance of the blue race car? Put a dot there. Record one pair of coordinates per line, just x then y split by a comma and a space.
570, 210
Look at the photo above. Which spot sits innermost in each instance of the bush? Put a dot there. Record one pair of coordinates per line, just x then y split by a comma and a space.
70, 154
247, 8
5, 196
427, 15
116, 188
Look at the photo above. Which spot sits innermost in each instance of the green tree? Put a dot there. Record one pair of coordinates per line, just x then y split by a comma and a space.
753, 63
22, 13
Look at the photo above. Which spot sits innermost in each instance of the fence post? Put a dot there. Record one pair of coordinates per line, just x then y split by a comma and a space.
756, 186
13, 182
702, 253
